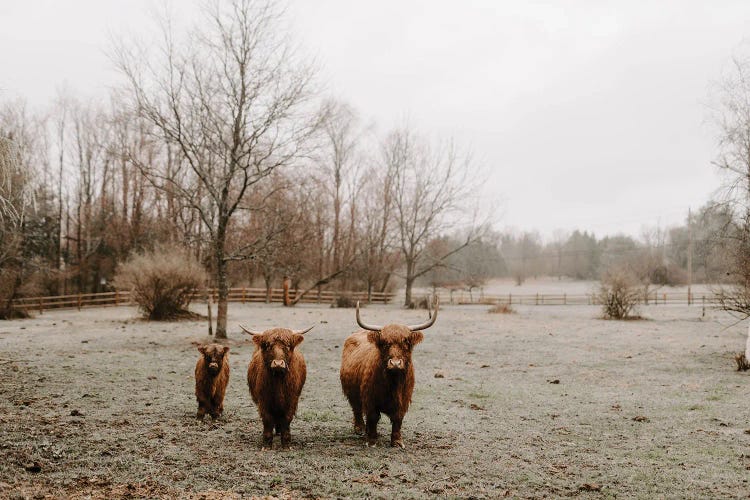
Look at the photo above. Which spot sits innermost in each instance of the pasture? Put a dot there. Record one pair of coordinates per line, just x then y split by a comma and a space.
547, 402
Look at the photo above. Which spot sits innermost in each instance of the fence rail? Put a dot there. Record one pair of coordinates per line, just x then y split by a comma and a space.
551, 299
241, 295
248, 295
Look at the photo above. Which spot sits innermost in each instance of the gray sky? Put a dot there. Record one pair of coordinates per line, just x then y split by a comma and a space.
587, 114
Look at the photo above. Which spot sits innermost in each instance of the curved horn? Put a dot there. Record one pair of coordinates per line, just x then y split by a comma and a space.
430, 321
372, 328
302, 332
250, 332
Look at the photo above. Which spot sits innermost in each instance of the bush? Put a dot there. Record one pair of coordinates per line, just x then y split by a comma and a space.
501, 309
161, 281
344, 301
619, 294
421, 303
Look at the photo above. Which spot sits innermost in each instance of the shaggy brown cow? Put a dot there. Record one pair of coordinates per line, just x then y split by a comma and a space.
377, 374
211, 378
275, 376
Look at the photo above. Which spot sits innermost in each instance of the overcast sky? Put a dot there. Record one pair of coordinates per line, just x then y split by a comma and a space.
588, 114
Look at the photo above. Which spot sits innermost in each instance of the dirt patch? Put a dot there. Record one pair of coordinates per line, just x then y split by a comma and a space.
95, 405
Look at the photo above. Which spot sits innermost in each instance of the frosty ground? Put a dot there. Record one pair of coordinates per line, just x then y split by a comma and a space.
550, 401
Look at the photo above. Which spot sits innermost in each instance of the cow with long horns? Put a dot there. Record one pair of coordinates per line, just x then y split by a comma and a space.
377, 374
275, 376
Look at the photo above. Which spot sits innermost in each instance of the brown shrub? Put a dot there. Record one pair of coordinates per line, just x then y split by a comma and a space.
344, 301
619, 294
501, 308
161, 281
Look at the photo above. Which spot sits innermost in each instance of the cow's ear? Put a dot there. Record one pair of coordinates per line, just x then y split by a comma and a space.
297, 340
373, 336
257, 339
226, 350
416, 338
202, 349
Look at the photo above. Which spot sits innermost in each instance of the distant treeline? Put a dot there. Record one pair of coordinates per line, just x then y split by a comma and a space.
659, 256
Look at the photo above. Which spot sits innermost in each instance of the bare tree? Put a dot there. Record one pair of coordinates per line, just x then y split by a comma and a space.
380, 256
732, 118
17, 157
233, 102
430, 185
339, 161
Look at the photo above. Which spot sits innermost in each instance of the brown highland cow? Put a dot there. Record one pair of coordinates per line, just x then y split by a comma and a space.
377, 375
275, 376
211, 378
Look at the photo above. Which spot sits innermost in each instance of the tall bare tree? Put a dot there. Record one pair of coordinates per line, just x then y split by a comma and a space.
732, 118
233, 101
430, 186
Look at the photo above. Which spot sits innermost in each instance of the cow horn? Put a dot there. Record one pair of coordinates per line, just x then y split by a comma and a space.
250, 332
302, 332
430, 321
372, 328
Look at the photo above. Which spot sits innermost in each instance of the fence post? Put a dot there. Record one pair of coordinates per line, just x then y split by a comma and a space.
79, 301
536, 302
703, 301
117, 298
510, 299
244, 294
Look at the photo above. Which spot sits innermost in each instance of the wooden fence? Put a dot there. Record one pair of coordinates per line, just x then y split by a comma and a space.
241, 295
558, 299
247, 295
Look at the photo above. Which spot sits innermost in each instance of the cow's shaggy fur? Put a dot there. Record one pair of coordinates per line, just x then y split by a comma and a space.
211, 379
275, 376
377, 376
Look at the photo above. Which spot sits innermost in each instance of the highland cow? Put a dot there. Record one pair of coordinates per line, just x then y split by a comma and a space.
275, 376
211, 378
377, 375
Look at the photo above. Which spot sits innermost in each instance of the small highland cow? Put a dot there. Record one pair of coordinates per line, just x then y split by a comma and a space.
275, 376
211, 378
377, 374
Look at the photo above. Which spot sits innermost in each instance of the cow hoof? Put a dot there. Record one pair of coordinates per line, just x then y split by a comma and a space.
371, 445
265, 448
399, 444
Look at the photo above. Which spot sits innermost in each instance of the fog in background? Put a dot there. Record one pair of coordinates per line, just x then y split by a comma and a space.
588, 115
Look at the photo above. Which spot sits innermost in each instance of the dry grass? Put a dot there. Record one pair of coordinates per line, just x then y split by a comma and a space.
546, 402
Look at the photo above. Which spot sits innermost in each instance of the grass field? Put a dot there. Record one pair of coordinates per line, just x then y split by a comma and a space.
547, 402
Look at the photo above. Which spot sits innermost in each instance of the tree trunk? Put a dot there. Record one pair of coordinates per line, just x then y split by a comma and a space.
410, 278
407, 294
286, 283
223, 289
269, 291
221, 281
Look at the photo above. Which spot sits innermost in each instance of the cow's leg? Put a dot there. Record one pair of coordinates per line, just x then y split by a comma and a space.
201, 411
286, 434
359, 423
214, 410
396, 431
267, 432
219, 405
371, 427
